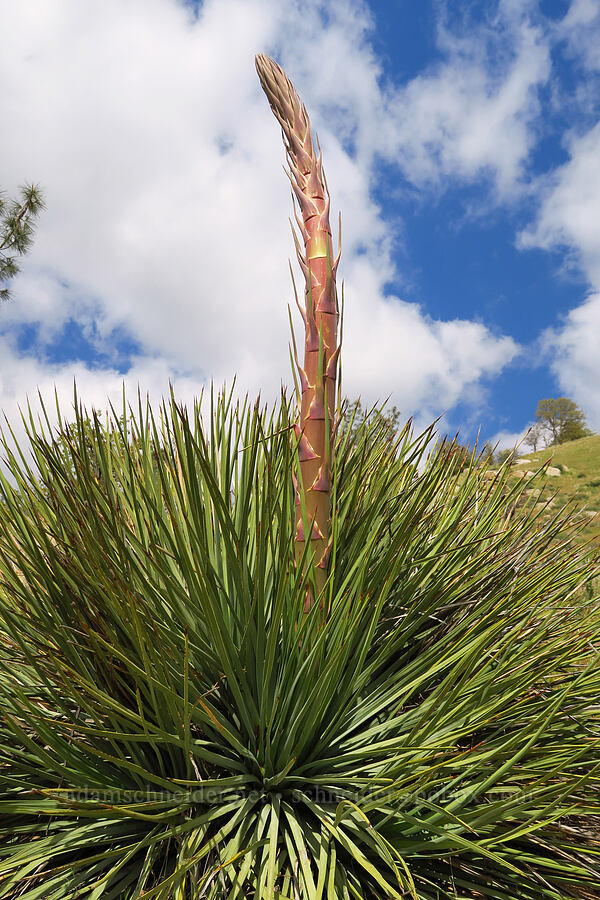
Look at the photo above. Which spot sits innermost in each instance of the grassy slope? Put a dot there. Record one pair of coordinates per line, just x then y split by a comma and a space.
580, 478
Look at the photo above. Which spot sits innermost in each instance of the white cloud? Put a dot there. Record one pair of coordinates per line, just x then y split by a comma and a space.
167, 207
25, 379
581, 13
570, 208
568, 220
475, 112
580, 28
508, 440
121, 112
574, 349
429, 364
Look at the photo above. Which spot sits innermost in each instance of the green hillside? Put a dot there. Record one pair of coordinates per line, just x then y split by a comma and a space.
578, 463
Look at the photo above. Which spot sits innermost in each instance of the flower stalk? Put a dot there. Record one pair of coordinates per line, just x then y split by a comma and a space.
320, 314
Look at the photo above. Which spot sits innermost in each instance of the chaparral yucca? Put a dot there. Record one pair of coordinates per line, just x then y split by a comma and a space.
176, 725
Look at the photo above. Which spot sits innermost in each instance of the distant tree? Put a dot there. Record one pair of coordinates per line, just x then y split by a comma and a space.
482, 455
561, 420
505, 455
486, 455
461, 453
534, 436
573, 431
355, 415
17, 225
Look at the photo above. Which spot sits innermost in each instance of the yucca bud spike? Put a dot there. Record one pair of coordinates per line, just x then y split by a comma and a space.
320, 372
335, 265
299, 221
306, 451
332, 363
310, 307
324, 561
294, 359
300, 308
299, 253
302, 374
292, 331
321, 357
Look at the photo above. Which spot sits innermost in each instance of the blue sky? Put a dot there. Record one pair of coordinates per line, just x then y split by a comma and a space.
461, 143
461, 251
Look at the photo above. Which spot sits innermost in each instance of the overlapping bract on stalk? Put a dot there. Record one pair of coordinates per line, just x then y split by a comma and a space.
320, 314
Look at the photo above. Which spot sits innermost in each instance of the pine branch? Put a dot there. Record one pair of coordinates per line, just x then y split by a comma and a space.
17, 229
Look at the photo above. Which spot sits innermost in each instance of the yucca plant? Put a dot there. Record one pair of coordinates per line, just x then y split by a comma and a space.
176, 725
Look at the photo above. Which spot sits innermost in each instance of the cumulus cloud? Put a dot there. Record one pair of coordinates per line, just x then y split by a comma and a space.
23, 378
431, 364
570, 206
509, 440
157, 155
161, 164
474, 112
29, 384
580, 29
573, 348
568, 220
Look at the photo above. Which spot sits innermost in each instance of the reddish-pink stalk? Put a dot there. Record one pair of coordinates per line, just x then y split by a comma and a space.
318, 374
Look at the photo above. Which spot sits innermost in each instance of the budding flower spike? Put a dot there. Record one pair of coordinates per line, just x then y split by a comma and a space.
320, 314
